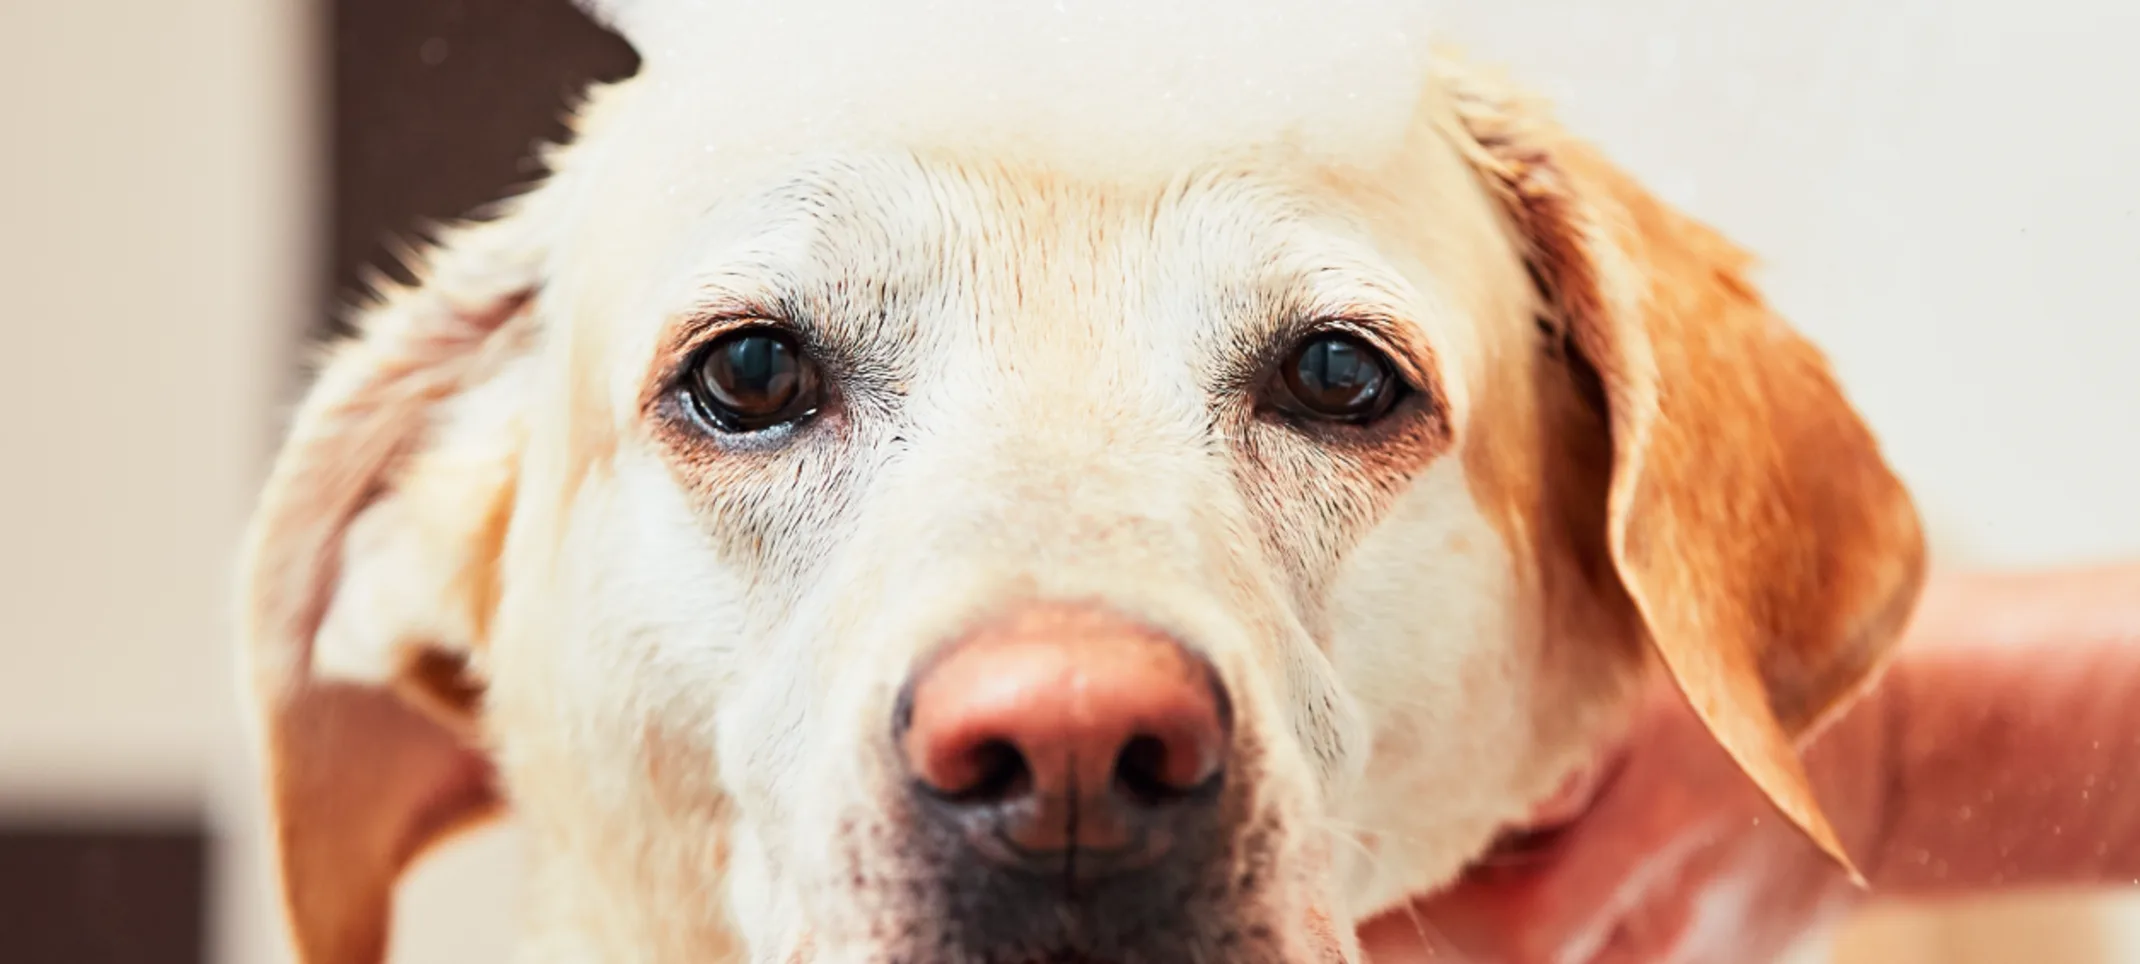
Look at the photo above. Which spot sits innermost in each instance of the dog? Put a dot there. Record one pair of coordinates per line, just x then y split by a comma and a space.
1153, 485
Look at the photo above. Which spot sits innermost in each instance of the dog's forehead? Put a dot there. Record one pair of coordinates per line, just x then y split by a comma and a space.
914, 218
682, 195
732, 92
1072, 81
908, 245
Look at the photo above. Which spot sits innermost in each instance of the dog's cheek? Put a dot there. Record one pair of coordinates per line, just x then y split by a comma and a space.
615, 645
1431, 639
769, 920
760, 760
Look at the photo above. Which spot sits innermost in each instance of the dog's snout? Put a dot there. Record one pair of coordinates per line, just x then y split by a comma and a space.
1068, 731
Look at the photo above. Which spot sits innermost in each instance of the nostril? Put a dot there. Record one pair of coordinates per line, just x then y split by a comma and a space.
999, 773
1150, 774
1139, 771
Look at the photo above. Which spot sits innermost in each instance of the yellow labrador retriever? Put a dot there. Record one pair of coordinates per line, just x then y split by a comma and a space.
998, 482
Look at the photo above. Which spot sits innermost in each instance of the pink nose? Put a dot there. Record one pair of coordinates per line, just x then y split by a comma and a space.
1061, 727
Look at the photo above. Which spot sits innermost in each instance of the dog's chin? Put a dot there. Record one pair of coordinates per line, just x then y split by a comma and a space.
1031, 919
1035, 920
1228, 890
983, 912
1080, 938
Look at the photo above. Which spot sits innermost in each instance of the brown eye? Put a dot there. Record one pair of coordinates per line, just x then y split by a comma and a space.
1337, 378
753, 379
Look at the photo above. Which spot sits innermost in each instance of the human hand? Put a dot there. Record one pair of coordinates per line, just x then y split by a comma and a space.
1976, 764
1678, 858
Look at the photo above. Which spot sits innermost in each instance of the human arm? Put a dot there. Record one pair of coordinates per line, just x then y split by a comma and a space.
2000, 750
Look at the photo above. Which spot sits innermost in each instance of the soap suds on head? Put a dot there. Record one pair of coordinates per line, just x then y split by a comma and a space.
1105, 82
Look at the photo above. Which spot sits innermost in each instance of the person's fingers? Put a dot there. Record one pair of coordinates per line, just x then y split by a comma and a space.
1408, 937
1589, 890
1650, 935
1631, 878
1565, 904
1642, 843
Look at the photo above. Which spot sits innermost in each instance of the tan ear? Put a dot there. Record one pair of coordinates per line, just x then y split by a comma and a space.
370, 579
1770, 551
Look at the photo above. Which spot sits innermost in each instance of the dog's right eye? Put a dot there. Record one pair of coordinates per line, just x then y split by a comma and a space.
753, 379
1337, 378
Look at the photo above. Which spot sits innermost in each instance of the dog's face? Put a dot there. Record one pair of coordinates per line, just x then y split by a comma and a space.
917, 550
879, 405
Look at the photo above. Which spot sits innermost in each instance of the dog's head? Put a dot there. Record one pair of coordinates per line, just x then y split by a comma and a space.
1010, 536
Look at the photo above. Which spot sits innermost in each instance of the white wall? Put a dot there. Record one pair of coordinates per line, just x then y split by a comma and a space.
1945, 194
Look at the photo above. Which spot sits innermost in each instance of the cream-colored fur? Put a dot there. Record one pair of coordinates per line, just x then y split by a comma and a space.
679, 653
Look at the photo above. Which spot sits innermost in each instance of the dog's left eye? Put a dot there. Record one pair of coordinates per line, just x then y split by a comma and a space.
1337, 377
753, 379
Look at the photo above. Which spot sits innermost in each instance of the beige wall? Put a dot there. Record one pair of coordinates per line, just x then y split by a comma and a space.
1942, 189
154, 242
148, 206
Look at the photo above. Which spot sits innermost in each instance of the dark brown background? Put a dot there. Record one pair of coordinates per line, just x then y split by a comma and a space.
435, 106
102, 894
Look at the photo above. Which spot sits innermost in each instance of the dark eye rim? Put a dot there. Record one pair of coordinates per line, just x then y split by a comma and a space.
1277, 393
715, 418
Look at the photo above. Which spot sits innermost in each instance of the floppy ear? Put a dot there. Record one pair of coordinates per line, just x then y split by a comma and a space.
1771, 553
370, 578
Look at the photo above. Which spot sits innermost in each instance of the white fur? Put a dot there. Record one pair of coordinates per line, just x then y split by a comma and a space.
1049, 437
1082, 210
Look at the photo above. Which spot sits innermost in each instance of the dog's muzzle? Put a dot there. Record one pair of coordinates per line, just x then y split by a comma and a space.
1071, 787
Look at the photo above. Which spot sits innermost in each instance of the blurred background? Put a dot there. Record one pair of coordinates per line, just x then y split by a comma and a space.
1943, 192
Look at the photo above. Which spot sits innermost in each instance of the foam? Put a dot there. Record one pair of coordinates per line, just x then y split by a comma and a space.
1103, 79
